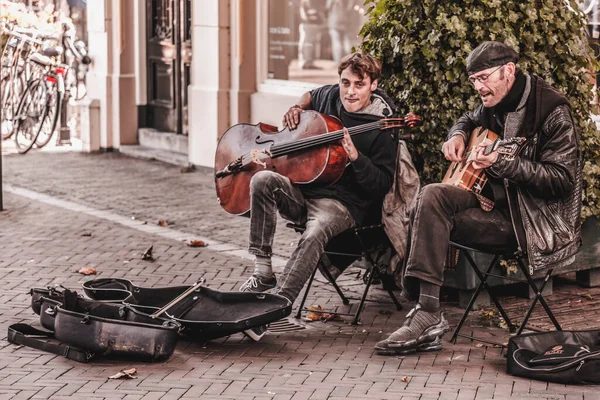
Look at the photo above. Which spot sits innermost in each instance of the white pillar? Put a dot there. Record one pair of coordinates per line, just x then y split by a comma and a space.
111, 78
243, 59
98, 19
139, 20
208, 112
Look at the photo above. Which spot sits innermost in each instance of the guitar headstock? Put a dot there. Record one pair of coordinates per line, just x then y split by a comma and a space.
410, 121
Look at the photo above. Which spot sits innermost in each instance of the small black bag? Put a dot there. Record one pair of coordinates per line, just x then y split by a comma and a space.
569, 357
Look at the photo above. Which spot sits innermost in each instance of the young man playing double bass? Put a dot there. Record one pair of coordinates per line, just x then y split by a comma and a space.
325, 211
537, 194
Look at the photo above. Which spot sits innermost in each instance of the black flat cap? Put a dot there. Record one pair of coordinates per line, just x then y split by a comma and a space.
488, 55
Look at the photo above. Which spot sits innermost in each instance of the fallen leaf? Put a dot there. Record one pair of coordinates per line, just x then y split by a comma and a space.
587, 296
502, 324
125, 373
189, 168
87, 270
147, 255
86, 234
313, 316
197, 243
405, 379
331, 317
163, 222
479, 345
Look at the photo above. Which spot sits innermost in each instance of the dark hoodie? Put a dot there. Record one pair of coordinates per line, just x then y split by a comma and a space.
366, 180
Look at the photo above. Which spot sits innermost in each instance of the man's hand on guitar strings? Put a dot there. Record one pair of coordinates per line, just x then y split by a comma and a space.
481, 160
348, 145
454, 148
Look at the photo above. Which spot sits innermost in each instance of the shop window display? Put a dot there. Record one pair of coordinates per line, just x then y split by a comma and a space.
307, 38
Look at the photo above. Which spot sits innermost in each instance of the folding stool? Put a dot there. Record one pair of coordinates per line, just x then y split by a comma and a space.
483, 276
372, 271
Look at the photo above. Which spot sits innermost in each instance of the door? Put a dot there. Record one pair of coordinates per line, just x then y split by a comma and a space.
168, 39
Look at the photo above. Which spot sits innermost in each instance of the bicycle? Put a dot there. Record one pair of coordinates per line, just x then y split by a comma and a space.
39, 108
14, 74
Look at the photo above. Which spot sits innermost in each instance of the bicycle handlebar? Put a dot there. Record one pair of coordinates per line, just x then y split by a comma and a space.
21, 36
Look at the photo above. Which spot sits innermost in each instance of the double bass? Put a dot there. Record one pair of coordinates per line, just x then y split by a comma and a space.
311, 153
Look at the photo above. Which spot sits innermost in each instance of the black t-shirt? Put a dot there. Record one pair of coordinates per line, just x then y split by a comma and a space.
365, 181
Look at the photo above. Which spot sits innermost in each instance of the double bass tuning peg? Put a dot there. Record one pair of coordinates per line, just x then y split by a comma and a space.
412, 120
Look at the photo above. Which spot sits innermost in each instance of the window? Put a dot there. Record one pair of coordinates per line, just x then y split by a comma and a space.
307, 38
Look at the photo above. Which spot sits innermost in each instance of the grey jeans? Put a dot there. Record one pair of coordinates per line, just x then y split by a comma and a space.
324, 218
443, 213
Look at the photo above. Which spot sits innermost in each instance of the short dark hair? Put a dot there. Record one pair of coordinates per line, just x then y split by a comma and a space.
361, 65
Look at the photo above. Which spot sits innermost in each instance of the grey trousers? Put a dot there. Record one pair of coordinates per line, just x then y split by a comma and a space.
443, 213
324, 218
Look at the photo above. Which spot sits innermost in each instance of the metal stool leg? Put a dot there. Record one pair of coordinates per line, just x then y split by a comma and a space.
482, 284
538, 295
301, 307
395, 300
483, 278
363, 297
331, 280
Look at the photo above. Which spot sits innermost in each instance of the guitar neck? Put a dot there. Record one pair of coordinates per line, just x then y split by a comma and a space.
283, 149
492, 146
507, 147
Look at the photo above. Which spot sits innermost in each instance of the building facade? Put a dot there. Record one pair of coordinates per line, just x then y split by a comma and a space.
176, 74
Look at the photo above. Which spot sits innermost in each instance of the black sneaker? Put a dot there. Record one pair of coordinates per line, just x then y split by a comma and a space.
257, 332
257, 284
422, 331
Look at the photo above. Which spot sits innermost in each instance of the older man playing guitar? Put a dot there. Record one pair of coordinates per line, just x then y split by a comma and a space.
534, 195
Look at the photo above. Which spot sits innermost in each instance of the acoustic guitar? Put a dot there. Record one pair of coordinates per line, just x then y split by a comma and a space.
462, 174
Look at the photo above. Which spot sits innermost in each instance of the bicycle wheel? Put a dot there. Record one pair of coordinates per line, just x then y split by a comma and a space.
6, 103
11, 91
29, 115
49, 119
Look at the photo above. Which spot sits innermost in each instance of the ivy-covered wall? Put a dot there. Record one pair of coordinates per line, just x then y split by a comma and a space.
423, 45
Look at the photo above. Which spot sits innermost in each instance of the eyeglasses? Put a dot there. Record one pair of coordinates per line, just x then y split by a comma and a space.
483, 78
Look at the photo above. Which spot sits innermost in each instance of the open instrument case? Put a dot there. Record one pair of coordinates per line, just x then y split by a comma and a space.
125, 320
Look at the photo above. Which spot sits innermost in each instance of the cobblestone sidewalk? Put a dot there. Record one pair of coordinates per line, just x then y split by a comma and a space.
52, 199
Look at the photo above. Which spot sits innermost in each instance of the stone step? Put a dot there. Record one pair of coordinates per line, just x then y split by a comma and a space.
149, 153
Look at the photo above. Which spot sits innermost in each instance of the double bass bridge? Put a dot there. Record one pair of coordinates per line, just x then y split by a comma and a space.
254, 156
258, 157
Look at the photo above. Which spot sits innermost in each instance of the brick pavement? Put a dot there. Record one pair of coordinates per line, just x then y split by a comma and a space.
42, 244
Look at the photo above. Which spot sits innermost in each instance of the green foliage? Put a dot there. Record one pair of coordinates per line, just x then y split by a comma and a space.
423, 45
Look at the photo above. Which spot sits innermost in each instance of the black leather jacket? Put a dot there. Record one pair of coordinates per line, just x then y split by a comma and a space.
544, 182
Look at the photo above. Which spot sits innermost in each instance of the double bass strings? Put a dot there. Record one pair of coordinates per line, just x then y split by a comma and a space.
279, 150
301, 144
